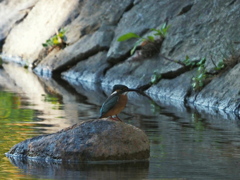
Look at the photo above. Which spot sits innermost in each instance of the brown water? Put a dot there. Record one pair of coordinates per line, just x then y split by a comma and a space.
185, 144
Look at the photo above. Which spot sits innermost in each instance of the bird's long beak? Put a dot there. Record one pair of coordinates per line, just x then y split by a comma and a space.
136, 90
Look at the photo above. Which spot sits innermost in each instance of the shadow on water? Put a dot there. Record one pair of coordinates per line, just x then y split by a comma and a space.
186, 143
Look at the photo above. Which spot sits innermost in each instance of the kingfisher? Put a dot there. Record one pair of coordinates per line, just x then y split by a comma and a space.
116, 102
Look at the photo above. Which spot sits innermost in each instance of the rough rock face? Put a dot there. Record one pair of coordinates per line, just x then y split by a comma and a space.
93, 140
90, 70
86, 46
12, 12
223, 92
198, 29
31, 31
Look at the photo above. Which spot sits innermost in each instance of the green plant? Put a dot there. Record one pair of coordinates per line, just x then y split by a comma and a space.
131, 35
188, 62
57, 40
156, 77
219, 66
158, 32
162, 31
203, 76
198, 81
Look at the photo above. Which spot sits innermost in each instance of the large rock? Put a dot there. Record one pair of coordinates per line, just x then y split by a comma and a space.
222, 92
13, 12
207, 32
90, 33
90, 70
93, 140
72, 54
31, 32
142, 17
199, 29
81, 19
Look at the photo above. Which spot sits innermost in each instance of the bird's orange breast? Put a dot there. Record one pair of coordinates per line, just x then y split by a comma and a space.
118, 107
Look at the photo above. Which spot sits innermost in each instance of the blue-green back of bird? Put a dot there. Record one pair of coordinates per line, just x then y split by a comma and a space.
110, 102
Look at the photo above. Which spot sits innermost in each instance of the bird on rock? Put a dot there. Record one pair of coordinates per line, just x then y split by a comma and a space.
116, 102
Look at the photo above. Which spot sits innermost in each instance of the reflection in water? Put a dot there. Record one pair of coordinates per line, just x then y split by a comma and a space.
111, 170
185, 144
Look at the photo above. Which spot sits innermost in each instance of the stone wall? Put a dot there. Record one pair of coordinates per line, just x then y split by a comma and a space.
199, 29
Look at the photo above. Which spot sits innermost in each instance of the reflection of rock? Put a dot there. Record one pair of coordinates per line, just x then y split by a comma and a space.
7, 82
19, 80
66, 103
65, 170
93, 140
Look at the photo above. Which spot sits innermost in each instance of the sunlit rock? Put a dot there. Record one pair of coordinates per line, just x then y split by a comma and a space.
43, 19
88, 45
12, 12
81, 19
92, 140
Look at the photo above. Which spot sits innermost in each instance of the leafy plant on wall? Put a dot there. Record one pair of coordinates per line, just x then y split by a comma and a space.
58, 40
150, 44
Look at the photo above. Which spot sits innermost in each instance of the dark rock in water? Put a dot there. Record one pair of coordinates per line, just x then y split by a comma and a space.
93, 140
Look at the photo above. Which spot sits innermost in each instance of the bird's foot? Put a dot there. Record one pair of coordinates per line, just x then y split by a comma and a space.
115, 118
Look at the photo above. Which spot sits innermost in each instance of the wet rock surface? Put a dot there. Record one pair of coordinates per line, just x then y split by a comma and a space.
92, 140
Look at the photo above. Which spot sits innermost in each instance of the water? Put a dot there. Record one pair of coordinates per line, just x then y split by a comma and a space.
185, 143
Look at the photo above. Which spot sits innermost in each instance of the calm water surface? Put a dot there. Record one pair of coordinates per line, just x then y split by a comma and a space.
185, 144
